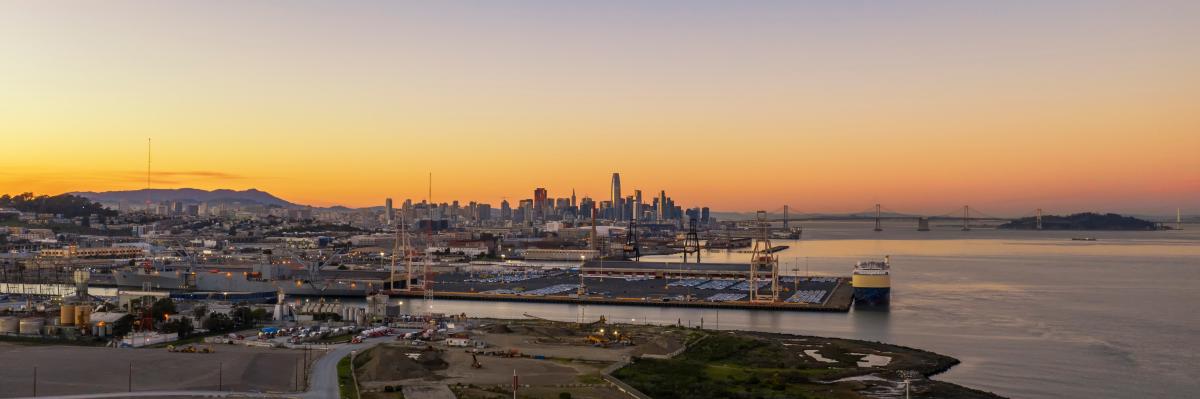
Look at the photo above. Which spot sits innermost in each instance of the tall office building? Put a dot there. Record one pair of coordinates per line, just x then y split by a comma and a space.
539, 202
506, 212
616, 196
389, 214
526, 207
637, 205
663, 208
483, 212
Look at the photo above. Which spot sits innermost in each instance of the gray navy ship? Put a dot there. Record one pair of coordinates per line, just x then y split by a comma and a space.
256, 278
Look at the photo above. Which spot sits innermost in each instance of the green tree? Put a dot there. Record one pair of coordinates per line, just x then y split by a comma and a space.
123, 326
261, 314
162, 306
243, 316
199, 312
218, 322
182, 325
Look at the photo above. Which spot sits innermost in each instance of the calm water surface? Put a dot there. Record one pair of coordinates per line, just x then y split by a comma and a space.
1030, 314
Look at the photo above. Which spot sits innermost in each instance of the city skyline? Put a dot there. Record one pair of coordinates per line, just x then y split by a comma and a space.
825, 107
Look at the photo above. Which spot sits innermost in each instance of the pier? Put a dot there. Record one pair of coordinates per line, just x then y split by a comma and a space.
660, 284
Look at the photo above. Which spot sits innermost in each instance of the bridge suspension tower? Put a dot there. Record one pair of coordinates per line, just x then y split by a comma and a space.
878, 224
785, 218
966, 218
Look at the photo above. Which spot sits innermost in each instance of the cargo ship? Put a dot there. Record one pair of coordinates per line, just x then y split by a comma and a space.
872, 282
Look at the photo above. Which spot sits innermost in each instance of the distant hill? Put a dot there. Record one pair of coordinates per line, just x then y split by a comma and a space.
186, 195
1082, 221
63, 204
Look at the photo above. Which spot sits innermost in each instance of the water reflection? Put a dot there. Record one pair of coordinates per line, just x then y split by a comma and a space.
1031, 314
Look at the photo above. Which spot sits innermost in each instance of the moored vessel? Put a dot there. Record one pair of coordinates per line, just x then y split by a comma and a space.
872, 282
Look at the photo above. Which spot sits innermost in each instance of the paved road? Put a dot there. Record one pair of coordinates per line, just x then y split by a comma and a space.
322, 381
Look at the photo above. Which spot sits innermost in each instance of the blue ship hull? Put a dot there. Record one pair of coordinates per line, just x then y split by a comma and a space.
872, 296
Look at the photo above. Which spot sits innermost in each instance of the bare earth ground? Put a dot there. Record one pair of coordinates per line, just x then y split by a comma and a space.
568, 362
66, 370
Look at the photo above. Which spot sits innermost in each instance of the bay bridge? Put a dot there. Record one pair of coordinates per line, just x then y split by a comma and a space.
964, 216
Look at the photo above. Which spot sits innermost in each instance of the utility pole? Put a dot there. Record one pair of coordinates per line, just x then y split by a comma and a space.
1039, 218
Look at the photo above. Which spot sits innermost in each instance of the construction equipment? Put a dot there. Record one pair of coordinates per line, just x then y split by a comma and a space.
190, 349
475, 362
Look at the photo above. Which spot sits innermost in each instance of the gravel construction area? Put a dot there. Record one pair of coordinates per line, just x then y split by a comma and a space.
551, 357
68, 370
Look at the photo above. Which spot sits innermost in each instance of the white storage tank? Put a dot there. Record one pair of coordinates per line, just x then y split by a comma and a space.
32, 325
9, 325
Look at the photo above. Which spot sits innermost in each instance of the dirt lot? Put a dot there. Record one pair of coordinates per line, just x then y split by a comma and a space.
554, 357
65, 370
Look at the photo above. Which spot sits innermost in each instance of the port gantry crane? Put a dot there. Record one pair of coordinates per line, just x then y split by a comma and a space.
691, 242
314, 267
402, 243
763, 259
632, 249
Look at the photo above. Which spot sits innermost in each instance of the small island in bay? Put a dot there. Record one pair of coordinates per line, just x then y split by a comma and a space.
1083, 221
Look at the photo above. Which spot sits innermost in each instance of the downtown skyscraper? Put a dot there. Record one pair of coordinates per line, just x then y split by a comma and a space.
617, 200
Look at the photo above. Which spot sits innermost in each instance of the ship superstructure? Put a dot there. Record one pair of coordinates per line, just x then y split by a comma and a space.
872, 282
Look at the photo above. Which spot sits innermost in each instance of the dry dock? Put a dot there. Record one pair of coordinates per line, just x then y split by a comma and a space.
659, 284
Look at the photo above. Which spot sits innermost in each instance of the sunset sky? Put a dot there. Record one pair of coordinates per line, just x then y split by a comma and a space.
826, 106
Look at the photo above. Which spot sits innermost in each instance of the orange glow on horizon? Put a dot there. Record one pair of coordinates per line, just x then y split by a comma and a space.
822, 107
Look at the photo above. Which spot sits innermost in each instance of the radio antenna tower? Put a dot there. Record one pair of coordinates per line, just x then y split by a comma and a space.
147, 163
762, 260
